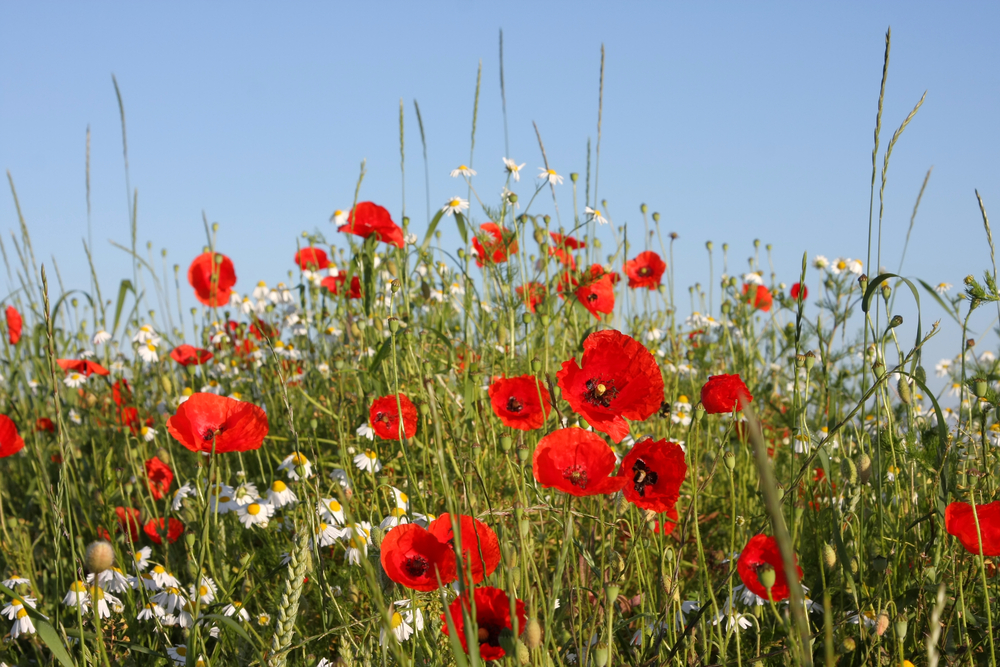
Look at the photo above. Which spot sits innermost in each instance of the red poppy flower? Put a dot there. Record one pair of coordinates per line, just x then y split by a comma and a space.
128, 519
617, 379
759, 553
234, 426
368, 218
520, 402
384, 416
666, 526
654, 471
415, 558
337, 282
187, 355
493, 244
597, 291
960, 522
758, 296
212, 276
724, 393
563, 256
480, 546
492, 617
121, 392
535, 295
44, 424
646, 270
14, 325
312, 258
576, 462
11, 441
159, 476
567, 241
155, 528
129, 417
797, 289
84, 366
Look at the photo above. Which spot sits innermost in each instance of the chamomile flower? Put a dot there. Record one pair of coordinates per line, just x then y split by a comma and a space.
326, 534
366, 431
163, 578
147, 352
236, 608
820, 262
112, 580
146, 580
423, 520
463, 171
404, 620
145, 334
74, 417
75, 380
180, 494
206, 590
339, 475
150, 611
14, 581
296, 465
77, 595
595, 214
358, 537
263, 619
280, 495
104, 601
330, 509
220, 498
148, 433
513, 168
15, 611
179, 655
395, 517
402, 500
101, 337
141, 558
368, 461
943, 288
255, 514
339, 217
550, 175
455, 205
245, 494
170, 598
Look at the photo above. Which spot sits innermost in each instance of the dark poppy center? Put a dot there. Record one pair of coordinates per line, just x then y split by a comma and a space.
513, 405
592, 297
577, 476
416, 566
642, 476
644, 271
383, 417
600, 392
490, 634
211, 433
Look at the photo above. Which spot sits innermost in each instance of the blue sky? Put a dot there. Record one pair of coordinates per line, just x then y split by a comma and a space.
734, 120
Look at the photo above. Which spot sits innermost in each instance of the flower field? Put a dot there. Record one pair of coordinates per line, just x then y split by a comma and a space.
531, 451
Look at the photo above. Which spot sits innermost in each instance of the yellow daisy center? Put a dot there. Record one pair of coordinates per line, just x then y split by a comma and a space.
253, 509
278, 486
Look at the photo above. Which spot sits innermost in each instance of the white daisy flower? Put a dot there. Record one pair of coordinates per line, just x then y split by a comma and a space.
550, 175
148, 433
245, 493
368, 461
339, 217
74, 417
163, 578
146, 580
75, 380
101, 337
14, 581
263, 619
513, 168
402, 500
180, 494
339, 475
365, 431
145, 334
423, 520
179, 655
463, 171
295, 464
171, 599
220, 498
820, 262
236, 607
150, 611
395, 517
77, 595
206, 590
142, 558
455, 205
595, 214
326, 534
280, 495
15, 611
330, 509
358, 537
147, 352
753, 278
942, 367
255, 514
260, 291
943, 288
104, 601
112, 580
404, 620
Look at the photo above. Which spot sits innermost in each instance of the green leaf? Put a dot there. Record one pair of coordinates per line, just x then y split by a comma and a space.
937, 297
431, 228
462, 231
383, 352
123, 289
237, 628
866, 304
51, 639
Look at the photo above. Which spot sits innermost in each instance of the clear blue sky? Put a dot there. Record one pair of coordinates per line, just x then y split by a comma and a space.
735, 120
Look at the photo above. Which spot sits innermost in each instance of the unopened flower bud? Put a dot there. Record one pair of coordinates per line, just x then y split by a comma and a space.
895, 321
971, 343
881, 623
886, 291
878, 368
848, 470
730, 460
810, 360
100, 556
656, 217
506, 443
829, 556
573, 176
377, 536
864, 467
612, 591
601, 655
863, 282
903, 389
800, 361
533, 634
847, 645
512, 198
547, 218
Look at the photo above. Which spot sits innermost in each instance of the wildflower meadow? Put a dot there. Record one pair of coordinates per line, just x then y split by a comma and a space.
506, 434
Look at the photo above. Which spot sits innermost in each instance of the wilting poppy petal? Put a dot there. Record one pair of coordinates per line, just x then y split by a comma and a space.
154, 529
187, 355
384, 416
232, 425
617, 379
667, 525
646, 270
567, 241
520, 402
758, 296
960, 522
159, 476
14, 325
212, 276
480, 546
368, 218
576, 462
11, 441
492, 617
654, 471
312, 258
724, 393
415, 558
761, 552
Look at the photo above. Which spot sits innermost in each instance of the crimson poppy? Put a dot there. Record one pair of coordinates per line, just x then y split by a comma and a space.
212, 276
762, 552
724, 393
480, 546
121, 392
654, 471
84, 366
567, 241
576, 462
960, 522
368, 218
205, 421
646, 270
11, 441
159, 476
535, 295
156, 528
758, 296
520, 402
187, 355
312, 258
798, 289
44, 424
563, 256
384, 416
128, 520
596, 291
415, 558
337, 282
129, 417
492, 617
493, 244
617, 379
14, 325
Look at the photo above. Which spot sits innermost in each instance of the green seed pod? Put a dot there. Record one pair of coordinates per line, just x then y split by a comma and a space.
730, 460
612, 591
506, 443
848, 471
766, 576
601, 655
393, 325
425, 409
829, 556
536, 365
901, 625
847, 645
895, 321
903, 389
810, 360
512, 198
979, 386
920, 375
524, 526
886, 291
522, 455
656, 217
573, 176
878, 368
864, 468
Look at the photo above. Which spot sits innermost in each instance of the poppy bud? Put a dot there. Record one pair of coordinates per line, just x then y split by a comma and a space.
424, 409
393, 325
99, 557
612, 591
544, 319
524, 526
533, 634
756, 243
849, 471
573, 176
886, 291
189, 540
829, 556
536, 364
864, 468
377, 536
730, 460
526, 318
547, 219
901, 625
979, 387
881, 623
597, 243
167, 386
461, 253
512, 198
506, 443
847, 645
163, 455
903, 389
